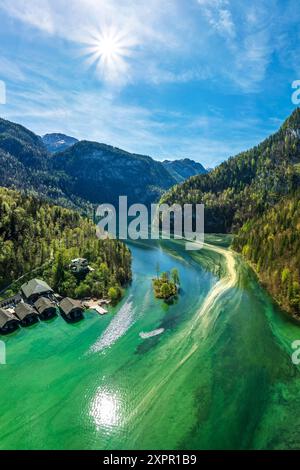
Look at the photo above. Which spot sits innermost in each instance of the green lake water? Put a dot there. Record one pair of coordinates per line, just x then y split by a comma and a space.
219, 376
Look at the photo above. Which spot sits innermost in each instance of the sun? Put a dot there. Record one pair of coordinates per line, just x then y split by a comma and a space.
109, 50
108, 47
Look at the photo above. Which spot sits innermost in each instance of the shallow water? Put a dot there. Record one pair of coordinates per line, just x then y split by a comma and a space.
219, 376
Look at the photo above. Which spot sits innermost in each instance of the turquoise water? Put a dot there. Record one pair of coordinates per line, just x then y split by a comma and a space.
219, 376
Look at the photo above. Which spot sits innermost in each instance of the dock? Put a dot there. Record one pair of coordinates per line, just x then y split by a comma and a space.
95, 305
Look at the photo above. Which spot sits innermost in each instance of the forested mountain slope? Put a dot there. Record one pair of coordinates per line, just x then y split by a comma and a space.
272, 244
25, 164
102, 173
34, 234
23, 144
256, 196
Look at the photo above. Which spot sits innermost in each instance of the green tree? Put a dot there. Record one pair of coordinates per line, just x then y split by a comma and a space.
59, 271
165, 290
114, 294
175, 276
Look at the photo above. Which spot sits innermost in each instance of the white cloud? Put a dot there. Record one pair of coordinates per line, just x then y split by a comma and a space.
11, 70
35, 12
166, 42
249, 44
251, 60
219, 16
158, 75
160, 37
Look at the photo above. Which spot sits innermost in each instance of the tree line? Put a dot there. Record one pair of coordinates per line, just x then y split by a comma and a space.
37, 234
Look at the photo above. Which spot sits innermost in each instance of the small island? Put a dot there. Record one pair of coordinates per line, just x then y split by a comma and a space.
166, 285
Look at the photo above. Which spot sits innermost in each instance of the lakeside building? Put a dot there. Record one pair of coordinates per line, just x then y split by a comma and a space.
10, 302
45, 308
71, 309
34, 289
26, 314
37, 300
8, 321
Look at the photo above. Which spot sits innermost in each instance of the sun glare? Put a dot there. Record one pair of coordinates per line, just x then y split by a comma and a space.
108, 48
105, 410
109, 51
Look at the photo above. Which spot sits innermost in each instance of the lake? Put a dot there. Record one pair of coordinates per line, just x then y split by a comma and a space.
217, 373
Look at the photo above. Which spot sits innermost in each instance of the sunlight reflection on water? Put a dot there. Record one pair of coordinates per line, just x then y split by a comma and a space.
105, 409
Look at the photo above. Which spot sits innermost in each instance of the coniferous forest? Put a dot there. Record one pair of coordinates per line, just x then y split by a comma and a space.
272, 244
255, 195
37, 238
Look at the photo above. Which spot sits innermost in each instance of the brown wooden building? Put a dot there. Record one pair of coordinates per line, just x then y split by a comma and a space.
34, 289
26, 314
71, 309
45, 308
8, 321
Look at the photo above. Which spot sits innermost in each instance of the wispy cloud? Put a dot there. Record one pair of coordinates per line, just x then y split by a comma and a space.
249, 40
151, 86
37, 13
9, 69
161, 42
219, 16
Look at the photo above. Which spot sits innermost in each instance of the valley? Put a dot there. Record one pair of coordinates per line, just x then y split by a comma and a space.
149, 230
255, 196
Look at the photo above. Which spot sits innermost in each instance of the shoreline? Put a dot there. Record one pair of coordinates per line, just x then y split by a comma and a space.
284, 311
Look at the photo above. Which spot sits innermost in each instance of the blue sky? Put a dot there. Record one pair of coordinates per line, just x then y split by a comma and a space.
203, 79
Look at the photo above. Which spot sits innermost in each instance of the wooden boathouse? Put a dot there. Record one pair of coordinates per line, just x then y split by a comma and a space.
34, 289
26, 314
8, 322
71, 309
45, 308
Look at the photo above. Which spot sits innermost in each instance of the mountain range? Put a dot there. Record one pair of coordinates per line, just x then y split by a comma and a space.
180, 169
76, 173
57, 142
184, 168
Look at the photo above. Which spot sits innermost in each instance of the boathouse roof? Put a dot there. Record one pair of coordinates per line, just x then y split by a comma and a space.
23, 310
5, 317
79, 260
35, 286
42, 304
67, 305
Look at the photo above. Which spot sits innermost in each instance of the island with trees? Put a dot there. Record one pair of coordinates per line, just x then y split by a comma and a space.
166, 285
